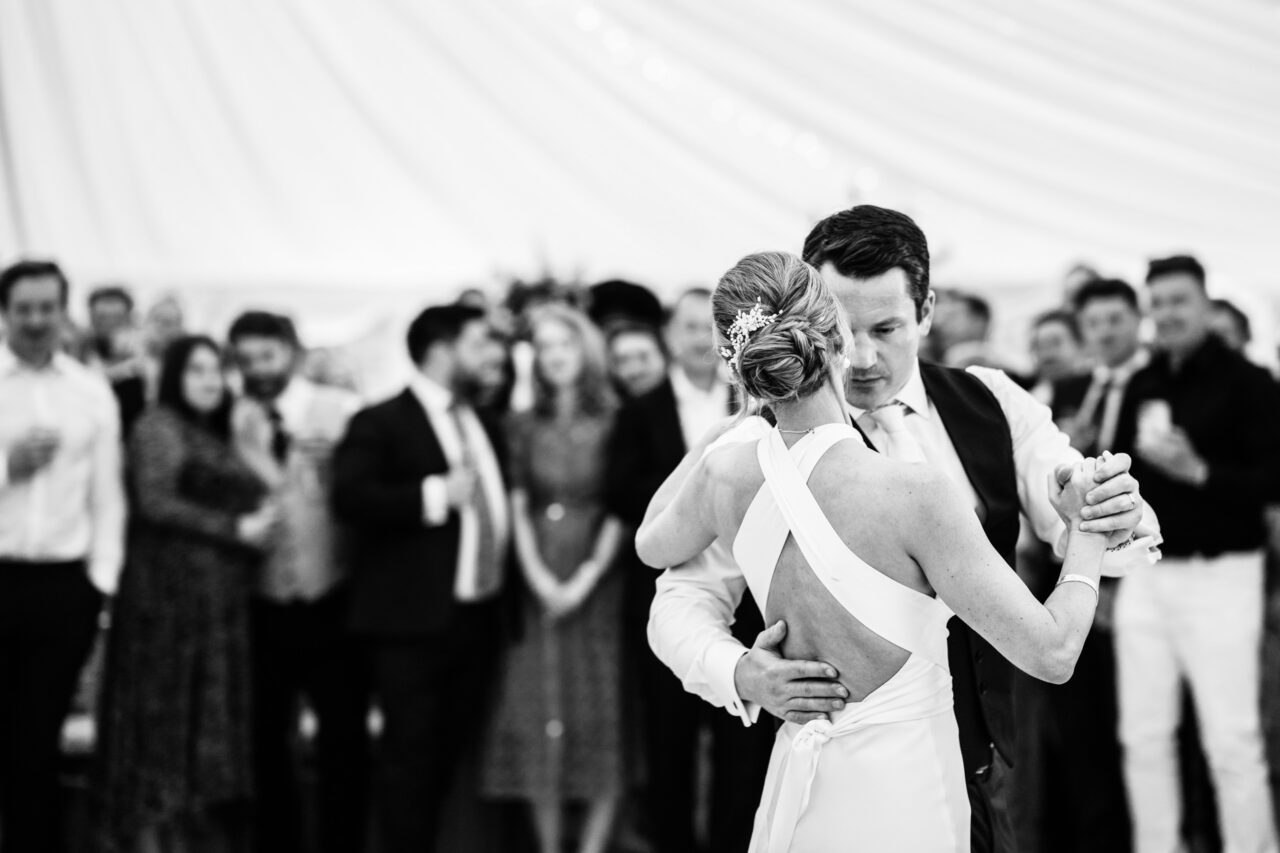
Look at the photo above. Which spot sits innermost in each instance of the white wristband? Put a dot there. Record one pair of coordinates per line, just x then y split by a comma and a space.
1089, 582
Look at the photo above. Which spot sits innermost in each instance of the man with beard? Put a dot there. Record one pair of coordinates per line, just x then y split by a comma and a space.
287, 427
418, 480
992, 439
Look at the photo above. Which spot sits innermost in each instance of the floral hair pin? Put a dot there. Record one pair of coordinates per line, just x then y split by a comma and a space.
741, 329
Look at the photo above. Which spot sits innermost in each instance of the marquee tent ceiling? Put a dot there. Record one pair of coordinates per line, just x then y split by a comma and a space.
421, 144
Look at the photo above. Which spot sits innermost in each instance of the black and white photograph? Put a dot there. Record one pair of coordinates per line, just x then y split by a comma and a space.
619, 426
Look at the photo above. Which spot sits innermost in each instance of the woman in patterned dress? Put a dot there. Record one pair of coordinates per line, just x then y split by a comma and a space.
557, 736
174, 724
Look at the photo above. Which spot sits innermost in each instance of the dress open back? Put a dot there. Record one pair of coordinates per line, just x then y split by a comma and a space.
884, 773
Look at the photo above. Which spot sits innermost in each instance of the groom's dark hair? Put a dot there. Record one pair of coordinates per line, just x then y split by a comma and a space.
866, 241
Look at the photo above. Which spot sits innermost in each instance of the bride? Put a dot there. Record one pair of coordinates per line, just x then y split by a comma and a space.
866, 559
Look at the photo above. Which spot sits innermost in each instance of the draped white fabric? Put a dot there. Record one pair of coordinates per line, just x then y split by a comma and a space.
412, 146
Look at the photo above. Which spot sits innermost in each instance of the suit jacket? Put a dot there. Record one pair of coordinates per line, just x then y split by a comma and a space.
648, 445
1068, 396
402, 570
982, 678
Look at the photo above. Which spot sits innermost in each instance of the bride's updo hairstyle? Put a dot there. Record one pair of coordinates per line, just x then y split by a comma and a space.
778, 326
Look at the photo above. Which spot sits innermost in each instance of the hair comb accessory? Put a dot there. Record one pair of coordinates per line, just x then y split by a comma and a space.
740, 331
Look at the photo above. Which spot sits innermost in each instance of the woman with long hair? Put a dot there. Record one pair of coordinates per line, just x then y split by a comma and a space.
866, 559
557, 736
174, 724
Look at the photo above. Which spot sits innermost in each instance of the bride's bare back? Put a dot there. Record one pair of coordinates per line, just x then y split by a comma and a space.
867, 499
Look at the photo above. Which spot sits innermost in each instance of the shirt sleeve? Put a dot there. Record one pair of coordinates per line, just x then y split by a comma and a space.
689, 621
106, 497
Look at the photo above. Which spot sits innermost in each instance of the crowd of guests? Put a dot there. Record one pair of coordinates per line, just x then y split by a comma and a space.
445, 580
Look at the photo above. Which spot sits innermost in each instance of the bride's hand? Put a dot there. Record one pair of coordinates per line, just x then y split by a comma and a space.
1069, 488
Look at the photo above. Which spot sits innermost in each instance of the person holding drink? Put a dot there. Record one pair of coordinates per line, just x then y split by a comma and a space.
1201, 422
61, 540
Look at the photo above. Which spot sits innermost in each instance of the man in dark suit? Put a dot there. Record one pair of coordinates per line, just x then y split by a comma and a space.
993, 440
653, 434
418, 480
1076, 746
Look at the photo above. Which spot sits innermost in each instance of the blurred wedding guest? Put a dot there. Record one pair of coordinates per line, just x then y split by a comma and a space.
637, 357
1074, 279
287, 427
62, 514
497, 377
652, 436
174, 746
615, 301
1076, 754
114, 347
962, 324
417, 479
1086, 406
557, 737
1230, 324
165, 322
1201, 422
1055, 352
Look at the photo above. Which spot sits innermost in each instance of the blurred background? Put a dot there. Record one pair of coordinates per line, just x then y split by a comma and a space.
363, 158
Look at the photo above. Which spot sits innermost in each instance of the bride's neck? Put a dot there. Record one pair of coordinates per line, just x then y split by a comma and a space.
821, 407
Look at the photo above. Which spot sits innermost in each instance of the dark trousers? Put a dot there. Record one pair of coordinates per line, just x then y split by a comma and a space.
433, 690
671, 721
739, 763
48, 620
1076, 801
991, 819
302, 651
739, 756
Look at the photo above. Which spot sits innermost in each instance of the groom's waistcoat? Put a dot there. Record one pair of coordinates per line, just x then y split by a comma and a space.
982, 678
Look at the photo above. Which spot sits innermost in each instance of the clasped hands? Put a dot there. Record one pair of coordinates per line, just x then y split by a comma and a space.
799, 691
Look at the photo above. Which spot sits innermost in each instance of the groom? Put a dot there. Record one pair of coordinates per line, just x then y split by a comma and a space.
994, 441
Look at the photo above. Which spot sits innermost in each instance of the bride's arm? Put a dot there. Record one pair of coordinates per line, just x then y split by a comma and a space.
968, 574
678, 525
670, 486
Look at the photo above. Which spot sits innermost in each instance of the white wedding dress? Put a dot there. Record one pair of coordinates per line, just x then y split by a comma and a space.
883, 774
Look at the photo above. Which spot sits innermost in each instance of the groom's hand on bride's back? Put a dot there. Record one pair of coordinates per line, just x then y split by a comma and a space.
793, 690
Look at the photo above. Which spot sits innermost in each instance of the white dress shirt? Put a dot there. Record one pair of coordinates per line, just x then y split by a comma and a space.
699, 410
688, 629
437, 401
73, 508
1114, 380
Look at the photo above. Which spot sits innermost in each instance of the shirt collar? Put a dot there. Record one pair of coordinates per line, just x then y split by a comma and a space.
1123, 372
433, 396
686, 391
912, 395
11, 364
294, 400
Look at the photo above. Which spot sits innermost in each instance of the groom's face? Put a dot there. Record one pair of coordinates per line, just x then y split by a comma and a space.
886, 333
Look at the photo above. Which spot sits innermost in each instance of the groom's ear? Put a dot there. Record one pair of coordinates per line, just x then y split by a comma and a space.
924, 313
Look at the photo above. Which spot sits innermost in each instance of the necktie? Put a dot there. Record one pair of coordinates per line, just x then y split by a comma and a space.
488, 567
899, 443
279, 438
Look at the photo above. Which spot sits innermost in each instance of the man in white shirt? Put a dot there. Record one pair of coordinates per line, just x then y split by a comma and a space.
62, 516
996, 442
287, 428
1088, 407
